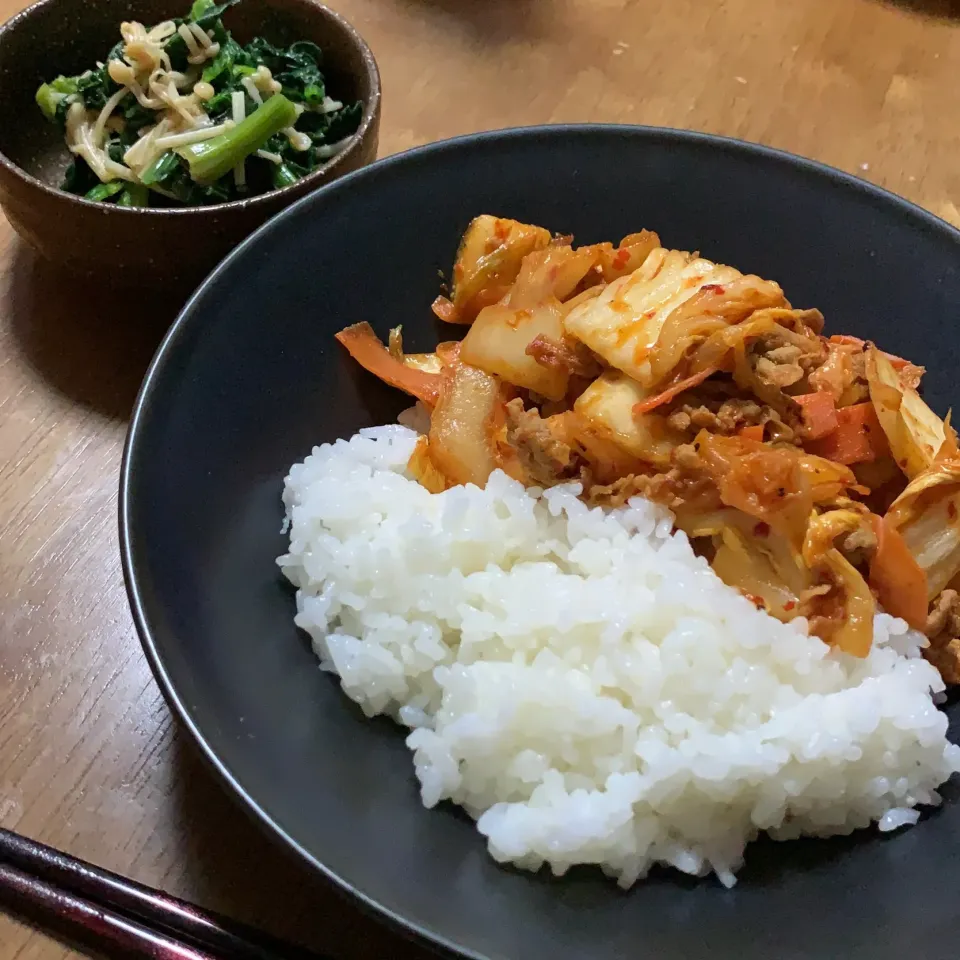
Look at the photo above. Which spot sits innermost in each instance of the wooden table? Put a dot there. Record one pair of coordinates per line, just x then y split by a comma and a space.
90, 758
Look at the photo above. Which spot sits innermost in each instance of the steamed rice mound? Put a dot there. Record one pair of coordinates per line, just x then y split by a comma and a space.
584, 685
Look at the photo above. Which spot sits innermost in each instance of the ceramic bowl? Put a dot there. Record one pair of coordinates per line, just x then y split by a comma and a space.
160, 248
250, 378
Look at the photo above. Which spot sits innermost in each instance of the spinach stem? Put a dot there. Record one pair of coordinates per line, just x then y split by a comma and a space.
211, 159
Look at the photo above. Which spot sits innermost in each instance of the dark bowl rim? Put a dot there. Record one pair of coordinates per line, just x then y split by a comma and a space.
155, 373
316, 178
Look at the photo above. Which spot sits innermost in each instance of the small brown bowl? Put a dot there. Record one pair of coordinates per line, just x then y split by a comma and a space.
169, 248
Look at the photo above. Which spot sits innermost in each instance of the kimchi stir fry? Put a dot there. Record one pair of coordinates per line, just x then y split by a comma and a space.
806, 468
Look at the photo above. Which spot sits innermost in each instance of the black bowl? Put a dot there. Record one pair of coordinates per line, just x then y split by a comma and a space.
250, 377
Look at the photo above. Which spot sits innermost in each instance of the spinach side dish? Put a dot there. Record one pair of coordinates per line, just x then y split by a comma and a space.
180, 114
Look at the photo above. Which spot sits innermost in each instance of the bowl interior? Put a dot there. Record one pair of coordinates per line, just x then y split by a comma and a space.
70, 36
250, 378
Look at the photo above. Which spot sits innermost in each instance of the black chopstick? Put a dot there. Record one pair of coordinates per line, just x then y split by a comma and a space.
121, 915
85, 924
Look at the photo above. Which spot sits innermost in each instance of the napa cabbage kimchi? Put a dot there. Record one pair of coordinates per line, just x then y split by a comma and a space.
806, 468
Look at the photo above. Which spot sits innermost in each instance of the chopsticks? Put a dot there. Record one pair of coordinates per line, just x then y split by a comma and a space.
118, 917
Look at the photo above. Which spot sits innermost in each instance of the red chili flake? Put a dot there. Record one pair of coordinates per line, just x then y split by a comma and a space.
755, 600
951, 510
761, 529
620, 260
714, 288
790, 604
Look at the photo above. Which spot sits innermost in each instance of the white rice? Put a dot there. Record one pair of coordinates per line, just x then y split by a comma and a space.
584, 685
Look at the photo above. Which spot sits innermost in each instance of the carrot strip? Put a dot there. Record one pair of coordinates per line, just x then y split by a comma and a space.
753, 432
368, 350
651, 403
899, 580
819, 412
898, 362
858, 437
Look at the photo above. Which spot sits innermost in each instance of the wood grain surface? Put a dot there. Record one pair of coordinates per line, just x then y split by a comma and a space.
90, 758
